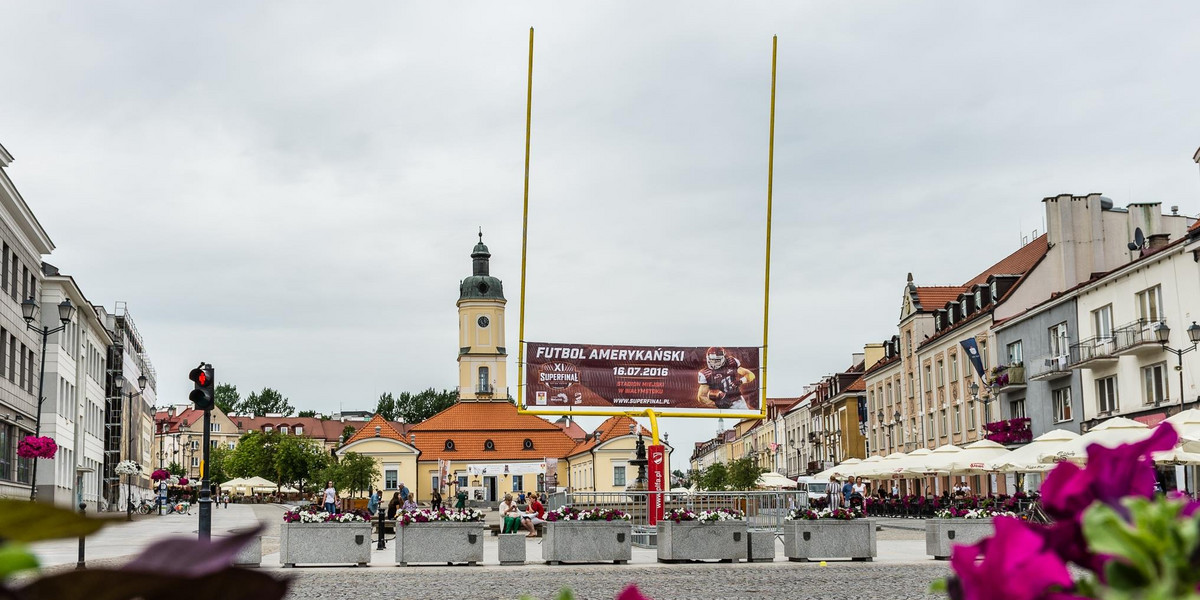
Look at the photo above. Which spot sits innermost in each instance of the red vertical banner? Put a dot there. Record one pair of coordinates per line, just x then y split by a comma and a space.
656, 455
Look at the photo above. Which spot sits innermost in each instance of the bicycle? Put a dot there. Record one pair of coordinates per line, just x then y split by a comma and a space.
145, 507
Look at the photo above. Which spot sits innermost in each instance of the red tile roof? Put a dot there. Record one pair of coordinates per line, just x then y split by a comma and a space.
613, 427
470, 424
386, 429
1016, 263
933, 297
1195, 226
858, 385
572, 429
183, 418
329, 430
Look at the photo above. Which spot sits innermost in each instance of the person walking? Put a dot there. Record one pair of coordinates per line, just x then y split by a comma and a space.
847, 491
330, 498
404, 493
460, 499
435, 500
373, 504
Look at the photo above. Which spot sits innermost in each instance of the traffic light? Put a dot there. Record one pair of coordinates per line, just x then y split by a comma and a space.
202, 396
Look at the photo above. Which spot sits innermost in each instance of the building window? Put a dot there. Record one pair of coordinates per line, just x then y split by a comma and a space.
908, 342
489, 445
1150, 304
978, 299
945, 427
527, 444
299, 430
214, 427
1018, 408
212, 444
1102, 321
462, 482
954, 367
268, 428
971, 415
1154, 383
1014, 353
1062, 404
483, 379
1060, 342
928, 378
435, 480
390, 479
619, 475
232, 445
941, 373
195, 461
195, 445
1106, 394
283, 429
449, 445
518, 483
957, 419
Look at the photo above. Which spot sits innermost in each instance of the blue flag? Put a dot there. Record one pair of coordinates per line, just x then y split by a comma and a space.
972, 350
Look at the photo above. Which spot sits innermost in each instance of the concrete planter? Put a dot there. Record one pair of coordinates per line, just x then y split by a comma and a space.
941, 535
324, 543
440, 542
696, 540
805, 540
762, 546
511, 548
250, 555
588, 541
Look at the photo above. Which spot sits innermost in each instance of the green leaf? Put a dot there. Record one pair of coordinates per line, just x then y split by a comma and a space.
938, 586
14, 558
1108, 533
24, 521
565, 594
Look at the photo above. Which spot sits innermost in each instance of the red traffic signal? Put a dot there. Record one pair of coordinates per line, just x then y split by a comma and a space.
203, 396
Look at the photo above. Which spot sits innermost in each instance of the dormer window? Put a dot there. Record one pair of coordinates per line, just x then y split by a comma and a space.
527, 444
489, 445
962, 306
978, 298
299, 430
449, 447
283, 429
950, 314
268, 428
993, 288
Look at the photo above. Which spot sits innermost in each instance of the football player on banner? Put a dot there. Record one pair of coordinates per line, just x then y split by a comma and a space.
724, 383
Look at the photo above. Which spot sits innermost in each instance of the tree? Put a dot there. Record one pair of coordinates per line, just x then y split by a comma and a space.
254, 456
682, 479
714, 478
415, 408
386, 407
268, 401
307, 413
298, 460
347, 432
227, 399
217, 459
354, 472
176, 469
743, 473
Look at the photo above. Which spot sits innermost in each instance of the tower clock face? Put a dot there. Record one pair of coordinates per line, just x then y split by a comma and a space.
483, 321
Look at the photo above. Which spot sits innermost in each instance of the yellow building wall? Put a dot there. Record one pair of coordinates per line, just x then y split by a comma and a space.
388, 453
485, 343
608, 455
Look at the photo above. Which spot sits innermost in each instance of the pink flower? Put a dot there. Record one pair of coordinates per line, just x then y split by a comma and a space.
1016, 565
631, 592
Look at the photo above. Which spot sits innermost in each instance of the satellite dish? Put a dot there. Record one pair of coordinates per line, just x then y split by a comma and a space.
1139, 240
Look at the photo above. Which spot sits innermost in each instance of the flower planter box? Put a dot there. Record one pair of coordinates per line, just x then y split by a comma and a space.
804, 540
698, 540
324, 543
942, 534
588, 541
440, 542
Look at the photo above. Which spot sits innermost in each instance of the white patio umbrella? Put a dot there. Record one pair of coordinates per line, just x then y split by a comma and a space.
883, 468
858, 469
1026, 459
896, 469
1111, 433
972, 459
1176, 456
837, 470
775, 480
928, 464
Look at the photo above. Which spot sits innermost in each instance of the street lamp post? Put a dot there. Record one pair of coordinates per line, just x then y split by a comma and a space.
1164, 334
29, 308
119, 384
974, 389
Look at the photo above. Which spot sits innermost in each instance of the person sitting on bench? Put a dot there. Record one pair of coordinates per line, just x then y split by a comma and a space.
511, 515
535, 515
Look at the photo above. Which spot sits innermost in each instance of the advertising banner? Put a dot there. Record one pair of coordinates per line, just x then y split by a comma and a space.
521, 468
972, 350
656, 457
664, 378
551, 474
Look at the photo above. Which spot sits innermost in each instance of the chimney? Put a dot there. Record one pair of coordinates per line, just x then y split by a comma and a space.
1157, 241
377, 430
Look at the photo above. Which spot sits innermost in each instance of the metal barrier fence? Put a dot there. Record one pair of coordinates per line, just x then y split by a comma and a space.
765, 510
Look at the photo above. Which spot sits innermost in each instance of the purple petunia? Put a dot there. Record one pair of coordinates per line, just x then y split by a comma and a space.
1016, 565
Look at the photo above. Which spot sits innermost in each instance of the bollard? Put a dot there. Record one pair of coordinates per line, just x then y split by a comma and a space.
80, 563
381, 545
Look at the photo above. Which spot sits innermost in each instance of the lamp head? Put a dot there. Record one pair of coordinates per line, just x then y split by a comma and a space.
66, 311
1163, 333
29, 307
141, 382
974, 389
1194, 333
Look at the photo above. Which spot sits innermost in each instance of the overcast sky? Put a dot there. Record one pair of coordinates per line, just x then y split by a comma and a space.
291, 190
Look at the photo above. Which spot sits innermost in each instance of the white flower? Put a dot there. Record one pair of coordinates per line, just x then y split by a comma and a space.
127, 467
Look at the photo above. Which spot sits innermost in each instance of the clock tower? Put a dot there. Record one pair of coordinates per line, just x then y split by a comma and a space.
482, 358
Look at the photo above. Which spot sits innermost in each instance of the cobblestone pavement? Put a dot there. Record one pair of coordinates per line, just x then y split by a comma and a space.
841, 581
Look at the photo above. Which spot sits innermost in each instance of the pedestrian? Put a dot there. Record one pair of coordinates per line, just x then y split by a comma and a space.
521, 498
511, 517
435, 500
373, 504
225, 499
460, 499
404, 493
847, 491
393, 506
330, 498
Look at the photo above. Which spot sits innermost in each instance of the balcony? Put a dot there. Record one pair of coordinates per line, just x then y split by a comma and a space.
1051, 366
1007, 378
1094, 353
1010, 431
1137, 338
